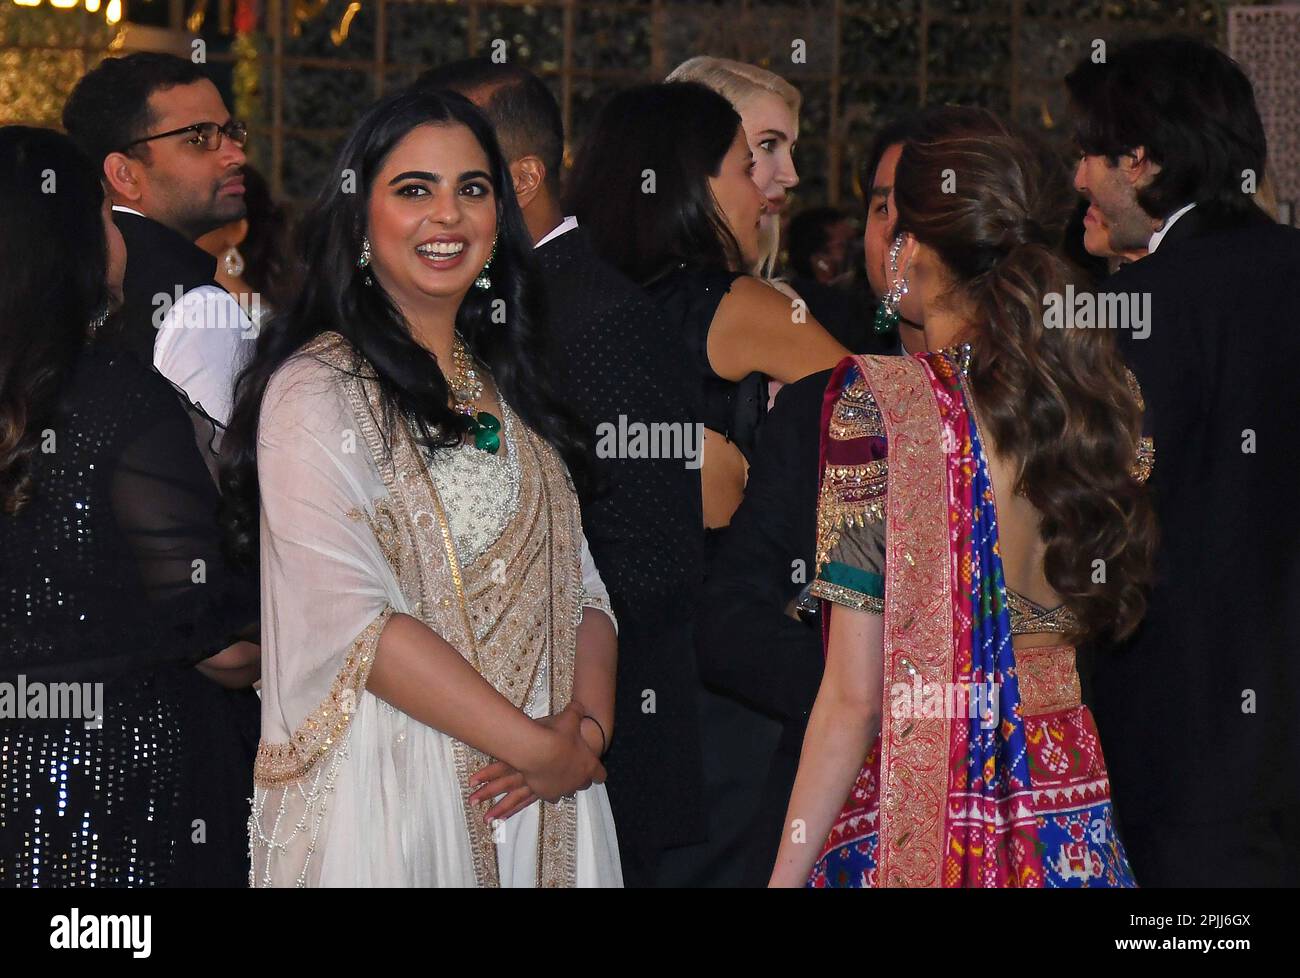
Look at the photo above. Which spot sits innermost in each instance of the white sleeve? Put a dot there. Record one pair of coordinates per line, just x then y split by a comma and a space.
327, 588
202, 344
594, 593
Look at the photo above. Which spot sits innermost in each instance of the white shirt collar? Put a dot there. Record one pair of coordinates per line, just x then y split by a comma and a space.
1159, 236
127, 210
565, 226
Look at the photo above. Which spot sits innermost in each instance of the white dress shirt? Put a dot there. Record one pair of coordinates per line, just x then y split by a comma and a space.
568, 224
1159, 236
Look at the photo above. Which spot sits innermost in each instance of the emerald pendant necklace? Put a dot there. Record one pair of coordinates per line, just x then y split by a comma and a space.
466, 388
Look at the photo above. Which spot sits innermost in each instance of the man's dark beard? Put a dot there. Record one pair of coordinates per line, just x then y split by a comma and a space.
200, 224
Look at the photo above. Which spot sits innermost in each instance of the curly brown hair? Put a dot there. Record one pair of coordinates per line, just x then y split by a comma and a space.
1058, 401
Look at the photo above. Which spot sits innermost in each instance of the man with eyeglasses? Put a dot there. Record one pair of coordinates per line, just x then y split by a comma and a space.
172, 162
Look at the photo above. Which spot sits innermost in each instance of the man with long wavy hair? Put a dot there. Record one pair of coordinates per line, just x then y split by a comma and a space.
1200, 708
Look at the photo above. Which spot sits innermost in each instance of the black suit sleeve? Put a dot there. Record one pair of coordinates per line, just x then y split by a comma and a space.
613, 353
747, 646
643, 520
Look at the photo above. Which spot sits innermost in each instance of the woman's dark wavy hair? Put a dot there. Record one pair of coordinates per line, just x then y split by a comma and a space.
55, 260
1056, 400
1189, 105
679, 131
333, 297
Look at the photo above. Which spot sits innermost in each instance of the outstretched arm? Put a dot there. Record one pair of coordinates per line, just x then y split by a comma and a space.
757, 328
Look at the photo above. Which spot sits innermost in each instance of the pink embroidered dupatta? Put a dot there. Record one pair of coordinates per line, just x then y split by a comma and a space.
955, 804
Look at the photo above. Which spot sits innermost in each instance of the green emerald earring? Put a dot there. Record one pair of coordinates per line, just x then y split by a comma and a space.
888, 313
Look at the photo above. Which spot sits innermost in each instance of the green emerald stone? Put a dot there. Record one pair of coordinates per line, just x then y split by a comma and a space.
884, 321
487, 432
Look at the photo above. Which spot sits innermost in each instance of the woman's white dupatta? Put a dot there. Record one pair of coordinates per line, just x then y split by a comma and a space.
348, 790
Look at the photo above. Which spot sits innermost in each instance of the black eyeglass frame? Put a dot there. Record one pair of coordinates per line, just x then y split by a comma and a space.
219, 132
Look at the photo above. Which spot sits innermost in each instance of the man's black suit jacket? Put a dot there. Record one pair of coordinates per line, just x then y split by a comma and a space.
613, 354
1199, 715
748, 647
159, 262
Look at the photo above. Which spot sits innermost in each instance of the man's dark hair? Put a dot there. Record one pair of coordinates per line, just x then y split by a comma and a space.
809, 233
110, 105
1189, 105
894, 132
519, 105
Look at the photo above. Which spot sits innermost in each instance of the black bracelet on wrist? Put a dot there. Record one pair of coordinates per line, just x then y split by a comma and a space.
604, 741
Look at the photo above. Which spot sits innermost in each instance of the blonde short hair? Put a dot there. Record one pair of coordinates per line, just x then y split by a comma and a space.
736, 81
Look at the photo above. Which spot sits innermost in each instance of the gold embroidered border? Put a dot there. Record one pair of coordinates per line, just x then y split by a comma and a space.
863, 481
1048, 678
437, 569
1146, 450
1146, 459
557, 848
918, 626
847, 597
389, 534
849, 495
1028, 618
443, 598
599, 604
325, 727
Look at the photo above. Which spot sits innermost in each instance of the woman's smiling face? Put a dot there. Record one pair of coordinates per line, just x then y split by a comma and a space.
432, 215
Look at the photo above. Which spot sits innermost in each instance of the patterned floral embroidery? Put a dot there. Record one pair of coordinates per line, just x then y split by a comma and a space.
503, 629
919, 572
850, 495
1049, 679
460, 474
856, 414
1072, 812
1021, 803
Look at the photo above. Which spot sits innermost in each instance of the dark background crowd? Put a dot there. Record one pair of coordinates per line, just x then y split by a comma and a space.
117, 567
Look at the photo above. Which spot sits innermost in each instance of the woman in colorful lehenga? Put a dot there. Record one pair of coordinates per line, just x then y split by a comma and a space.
981, 506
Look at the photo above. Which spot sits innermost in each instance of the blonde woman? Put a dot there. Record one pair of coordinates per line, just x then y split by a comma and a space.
768, 106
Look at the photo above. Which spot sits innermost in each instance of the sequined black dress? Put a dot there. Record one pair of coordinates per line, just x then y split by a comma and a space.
112, 573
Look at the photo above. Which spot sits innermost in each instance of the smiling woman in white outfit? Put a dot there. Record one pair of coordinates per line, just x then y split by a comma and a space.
438, 648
